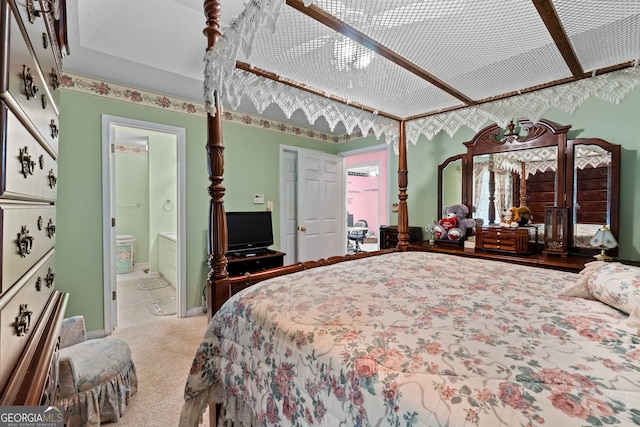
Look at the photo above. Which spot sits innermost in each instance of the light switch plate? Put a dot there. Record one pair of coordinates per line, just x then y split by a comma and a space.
258, 199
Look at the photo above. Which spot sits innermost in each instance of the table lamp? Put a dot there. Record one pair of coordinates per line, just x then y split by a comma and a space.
604, 240
431, 232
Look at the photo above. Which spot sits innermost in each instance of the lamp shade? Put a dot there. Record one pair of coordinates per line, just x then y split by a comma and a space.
604, 239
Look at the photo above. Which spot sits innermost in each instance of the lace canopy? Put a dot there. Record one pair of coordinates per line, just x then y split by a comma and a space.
437, 65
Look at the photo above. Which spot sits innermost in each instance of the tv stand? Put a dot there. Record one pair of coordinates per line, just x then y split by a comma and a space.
252, 261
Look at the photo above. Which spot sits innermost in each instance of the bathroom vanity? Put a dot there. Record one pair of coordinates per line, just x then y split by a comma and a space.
168, 257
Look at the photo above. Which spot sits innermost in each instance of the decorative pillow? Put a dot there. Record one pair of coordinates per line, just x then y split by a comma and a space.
618, 285
581, 289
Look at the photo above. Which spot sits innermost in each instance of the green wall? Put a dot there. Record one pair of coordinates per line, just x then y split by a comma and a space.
132, 200
251, 166
596, 118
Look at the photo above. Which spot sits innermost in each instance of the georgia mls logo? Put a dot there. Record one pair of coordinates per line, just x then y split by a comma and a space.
31, 416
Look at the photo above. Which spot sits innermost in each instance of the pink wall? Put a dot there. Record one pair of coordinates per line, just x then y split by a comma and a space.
367, 195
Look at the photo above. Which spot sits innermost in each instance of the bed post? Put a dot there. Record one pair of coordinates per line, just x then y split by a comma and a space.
217, 280
403, 214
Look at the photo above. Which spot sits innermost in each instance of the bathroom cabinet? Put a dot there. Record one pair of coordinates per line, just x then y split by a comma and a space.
167, 258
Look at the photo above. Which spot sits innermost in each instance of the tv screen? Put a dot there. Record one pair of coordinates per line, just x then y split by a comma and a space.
249, 231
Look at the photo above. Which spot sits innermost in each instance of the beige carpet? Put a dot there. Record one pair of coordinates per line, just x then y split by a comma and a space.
162, 352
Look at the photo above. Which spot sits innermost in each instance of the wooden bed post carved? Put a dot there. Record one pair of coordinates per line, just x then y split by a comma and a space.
403, 213
217, 280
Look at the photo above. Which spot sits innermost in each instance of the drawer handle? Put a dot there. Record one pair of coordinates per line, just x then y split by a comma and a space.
51, 229
25, 242
45, 41
48, 279
41, 161
55, 81
32, 13
44, 101
30, 89
53, 180
28, 165
54, 129
40, 222
23, 320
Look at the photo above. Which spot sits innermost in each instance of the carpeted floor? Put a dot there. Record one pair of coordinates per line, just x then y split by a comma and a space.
162, 352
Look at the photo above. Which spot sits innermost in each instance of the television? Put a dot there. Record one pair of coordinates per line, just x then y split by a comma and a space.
249, 231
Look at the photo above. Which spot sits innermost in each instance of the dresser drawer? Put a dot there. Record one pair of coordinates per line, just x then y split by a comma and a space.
29, 172
520, 240
24, 90
28, 233
21, 309
44, 43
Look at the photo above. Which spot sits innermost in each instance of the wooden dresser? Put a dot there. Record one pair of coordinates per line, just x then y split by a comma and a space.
33, 36
389, 236
520, 240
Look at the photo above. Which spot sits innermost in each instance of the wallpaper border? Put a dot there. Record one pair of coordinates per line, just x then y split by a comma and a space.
115, 91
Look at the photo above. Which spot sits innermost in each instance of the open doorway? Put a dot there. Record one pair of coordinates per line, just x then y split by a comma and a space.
144, 213
367, 186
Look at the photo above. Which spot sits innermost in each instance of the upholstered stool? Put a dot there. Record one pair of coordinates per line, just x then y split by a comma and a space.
97, 377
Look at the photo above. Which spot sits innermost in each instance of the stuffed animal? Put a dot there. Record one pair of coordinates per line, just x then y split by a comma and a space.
523, 216
454, 223
508, 217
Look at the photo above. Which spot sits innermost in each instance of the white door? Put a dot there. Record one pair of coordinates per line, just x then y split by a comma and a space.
320, 205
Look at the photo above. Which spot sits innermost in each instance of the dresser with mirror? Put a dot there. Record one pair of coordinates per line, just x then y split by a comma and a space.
575, 182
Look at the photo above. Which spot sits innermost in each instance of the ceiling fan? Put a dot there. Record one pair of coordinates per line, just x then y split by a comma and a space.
349, 55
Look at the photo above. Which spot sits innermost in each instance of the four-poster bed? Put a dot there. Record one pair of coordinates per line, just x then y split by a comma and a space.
407, 338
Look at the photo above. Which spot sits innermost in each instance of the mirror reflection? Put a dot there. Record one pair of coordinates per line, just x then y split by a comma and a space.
452, 183
514, 178
591, 192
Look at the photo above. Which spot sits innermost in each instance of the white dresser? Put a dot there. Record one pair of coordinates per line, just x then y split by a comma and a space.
33, 37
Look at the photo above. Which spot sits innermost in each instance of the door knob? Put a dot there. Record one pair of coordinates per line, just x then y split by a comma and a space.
303, 229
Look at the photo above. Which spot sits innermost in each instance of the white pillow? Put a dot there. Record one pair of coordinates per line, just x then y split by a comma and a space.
581, 288
618, 285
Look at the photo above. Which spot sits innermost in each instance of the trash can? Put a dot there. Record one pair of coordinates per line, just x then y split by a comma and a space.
125, 253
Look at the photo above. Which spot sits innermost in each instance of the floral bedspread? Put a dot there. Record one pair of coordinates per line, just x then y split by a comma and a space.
417, 339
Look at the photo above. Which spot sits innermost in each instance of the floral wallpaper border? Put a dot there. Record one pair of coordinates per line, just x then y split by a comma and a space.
131, 149
88, 85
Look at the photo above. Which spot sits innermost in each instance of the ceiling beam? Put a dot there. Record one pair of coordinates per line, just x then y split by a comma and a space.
275, 77
551, 20
597, 72
335, 24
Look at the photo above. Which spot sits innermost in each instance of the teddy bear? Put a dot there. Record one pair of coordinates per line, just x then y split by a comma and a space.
523, 216
454, 223
508, 217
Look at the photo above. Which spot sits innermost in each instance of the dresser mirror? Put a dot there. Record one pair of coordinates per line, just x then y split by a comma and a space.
594, 189
535, 165
450, 182
514, 178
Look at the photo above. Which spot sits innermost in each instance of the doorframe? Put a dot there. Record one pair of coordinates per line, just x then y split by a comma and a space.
108, 231
379, 147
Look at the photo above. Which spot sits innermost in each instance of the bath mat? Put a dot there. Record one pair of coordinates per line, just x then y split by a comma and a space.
154, 283
162, 307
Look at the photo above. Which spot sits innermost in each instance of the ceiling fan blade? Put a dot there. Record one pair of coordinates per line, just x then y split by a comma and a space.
308, 46
417, 12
